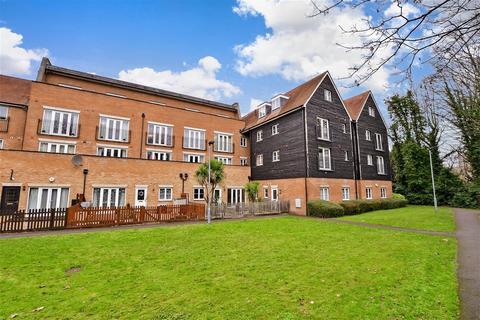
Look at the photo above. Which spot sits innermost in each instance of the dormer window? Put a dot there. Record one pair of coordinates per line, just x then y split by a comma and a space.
262, 111
327, 95
278, 101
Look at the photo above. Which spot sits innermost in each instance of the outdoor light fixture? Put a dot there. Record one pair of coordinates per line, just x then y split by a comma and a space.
184, 177
209, 216
85, 173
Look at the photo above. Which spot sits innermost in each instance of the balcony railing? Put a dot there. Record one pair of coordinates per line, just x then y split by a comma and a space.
4, 124
229, 148
195, 144
43, 125
100, 137
150, 141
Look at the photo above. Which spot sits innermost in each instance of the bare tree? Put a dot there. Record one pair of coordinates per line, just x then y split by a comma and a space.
403, 33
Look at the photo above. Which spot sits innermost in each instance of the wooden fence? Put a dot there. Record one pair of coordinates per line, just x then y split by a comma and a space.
225, 210
33, 220
78, 217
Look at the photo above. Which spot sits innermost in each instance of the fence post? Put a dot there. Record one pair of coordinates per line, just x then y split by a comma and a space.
142, 214
117, 216
52, 218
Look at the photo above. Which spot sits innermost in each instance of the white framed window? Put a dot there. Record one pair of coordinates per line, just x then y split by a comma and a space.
275, 129
194, 138
345, 193
60, 122
198, 193
108, 197
47, 198
324, 193
223, 142
368, 135
259, 161
276, 103
324, 161
276, 156
243, 142
344, 128
159, 155
274, 193
371, 111
262, 111
369, 160
113, 128
259, 135
346, 155
383, 192
380, 165
327, 95
235, 195
193, 157
3, 112
1, 143
378, 142
165, 193
114, 152
368, 193
224, 160
56, 147
324, 130
243, 161
159, 134
265, 192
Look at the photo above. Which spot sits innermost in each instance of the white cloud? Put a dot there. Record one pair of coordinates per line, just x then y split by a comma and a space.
298, 46
15, 60
254, 103
406, 9
200, 81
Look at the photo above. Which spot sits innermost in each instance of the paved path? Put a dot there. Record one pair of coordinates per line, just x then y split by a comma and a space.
468, 259
381, 226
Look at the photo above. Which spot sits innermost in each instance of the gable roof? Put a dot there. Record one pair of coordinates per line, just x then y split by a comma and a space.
297, 98
355, 104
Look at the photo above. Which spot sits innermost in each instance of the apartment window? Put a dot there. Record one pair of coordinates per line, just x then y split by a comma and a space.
47, 198
3, 112
160, 134
265, 192
259, 160
113, 129
369, 160
274, 193
259, 135
165, 193
383, 192
323, 128
276, 156
59, 122
198, 193
56, 147
380, 165
368, 135
327, 94
223, 142
368, 193
345, 193
113, 152
371, 111
324, 162
346, 155
159, 155
243, 161
193, 157
262, 111
344, 128
108, 197
274, 129
194, 138
224, 160
378, 141
243, 142
1, 143
235, 195
324, 193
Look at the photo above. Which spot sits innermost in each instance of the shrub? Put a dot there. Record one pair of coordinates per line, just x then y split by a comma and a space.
398, 196
353, 207
324, 209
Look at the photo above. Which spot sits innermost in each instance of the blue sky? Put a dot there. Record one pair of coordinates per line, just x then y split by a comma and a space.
263, 49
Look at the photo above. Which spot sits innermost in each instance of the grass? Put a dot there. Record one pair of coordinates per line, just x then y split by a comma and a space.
271, 268
415, 217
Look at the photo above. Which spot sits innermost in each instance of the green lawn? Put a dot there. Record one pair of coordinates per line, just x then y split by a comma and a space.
272, 268
415, 217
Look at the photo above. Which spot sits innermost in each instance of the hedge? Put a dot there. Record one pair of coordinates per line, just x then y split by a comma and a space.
352, 207
324, 209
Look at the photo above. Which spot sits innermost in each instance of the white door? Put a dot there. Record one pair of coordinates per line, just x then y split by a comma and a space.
141, 196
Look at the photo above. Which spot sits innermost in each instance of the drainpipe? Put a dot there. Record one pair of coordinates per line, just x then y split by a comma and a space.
141, 136
305, 140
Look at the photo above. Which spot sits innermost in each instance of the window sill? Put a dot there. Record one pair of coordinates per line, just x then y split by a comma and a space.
166, 200
321, 139
379, 150
58, 135
111, 140
320, 169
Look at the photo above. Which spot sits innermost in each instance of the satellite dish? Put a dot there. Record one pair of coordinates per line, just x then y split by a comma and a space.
77, 160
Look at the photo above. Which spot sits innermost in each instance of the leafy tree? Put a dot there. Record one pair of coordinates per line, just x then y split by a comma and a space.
217, 176
251, 189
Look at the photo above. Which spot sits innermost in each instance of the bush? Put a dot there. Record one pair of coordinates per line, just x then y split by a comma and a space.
398, 196
353, 207
324, 209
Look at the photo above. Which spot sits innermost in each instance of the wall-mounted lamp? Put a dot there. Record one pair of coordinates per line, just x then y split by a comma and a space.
184, 177
85, 173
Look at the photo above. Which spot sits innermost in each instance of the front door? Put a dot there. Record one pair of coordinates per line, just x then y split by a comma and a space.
10, 197
141, 196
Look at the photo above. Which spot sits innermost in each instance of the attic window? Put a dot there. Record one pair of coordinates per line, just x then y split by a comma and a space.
262, 111
327, 95
371, 112
278, 101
